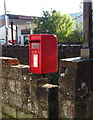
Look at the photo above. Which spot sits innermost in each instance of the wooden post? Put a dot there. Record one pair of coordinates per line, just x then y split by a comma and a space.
87, 19
16, 34
12, 33
86, 51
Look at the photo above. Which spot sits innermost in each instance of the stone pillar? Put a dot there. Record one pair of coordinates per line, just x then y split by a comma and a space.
76, 88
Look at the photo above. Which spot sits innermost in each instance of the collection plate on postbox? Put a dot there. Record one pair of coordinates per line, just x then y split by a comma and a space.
43, 53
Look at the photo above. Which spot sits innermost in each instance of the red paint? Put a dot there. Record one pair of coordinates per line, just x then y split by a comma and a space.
43, 54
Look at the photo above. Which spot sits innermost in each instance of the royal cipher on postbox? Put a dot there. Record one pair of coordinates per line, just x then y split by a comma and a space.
43, 53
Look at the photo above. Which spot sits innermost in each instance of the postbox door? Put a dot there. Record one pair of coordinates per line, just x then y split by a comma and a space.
35, 55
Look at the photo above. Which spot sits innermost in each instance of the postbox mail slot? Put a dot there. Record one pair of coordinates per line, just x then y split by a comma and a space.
34, 41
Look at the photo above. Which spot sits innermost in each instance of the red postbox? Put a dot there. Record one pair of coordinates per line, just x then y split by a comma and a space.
43, 53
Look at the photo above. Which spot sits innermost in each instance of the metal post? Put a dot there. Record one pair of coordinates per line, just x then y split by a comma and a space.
6, 30
6, 23
31, 32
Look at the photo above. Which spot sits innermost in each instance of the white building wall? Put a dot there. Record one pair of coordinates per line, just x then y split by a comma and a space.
20, 27
25, 26
2, 32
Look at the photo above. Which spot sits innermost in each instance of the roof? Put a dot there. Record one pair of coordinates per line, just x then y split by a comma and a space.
18, 19
74, 15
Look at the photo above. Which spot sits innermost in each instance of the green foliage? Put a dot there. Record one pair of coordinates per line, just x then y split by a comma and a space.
76, 34
60, 25
65, 28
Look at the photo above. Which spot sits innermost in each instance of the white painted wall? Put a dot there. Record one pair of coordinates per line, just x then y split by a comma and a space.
20, 37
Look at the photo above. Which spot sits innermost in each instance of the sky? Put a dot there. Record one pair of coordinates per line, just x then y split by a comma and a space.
35, 7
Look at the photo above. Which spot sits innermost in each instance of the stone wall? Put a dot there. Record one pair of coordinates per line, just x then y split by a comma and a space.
76, 88
26, 95
22, 52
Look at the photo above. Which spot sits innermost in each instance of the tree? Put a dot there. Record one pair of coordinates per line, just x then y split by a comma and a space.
54, 23
65, 28
76, 34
